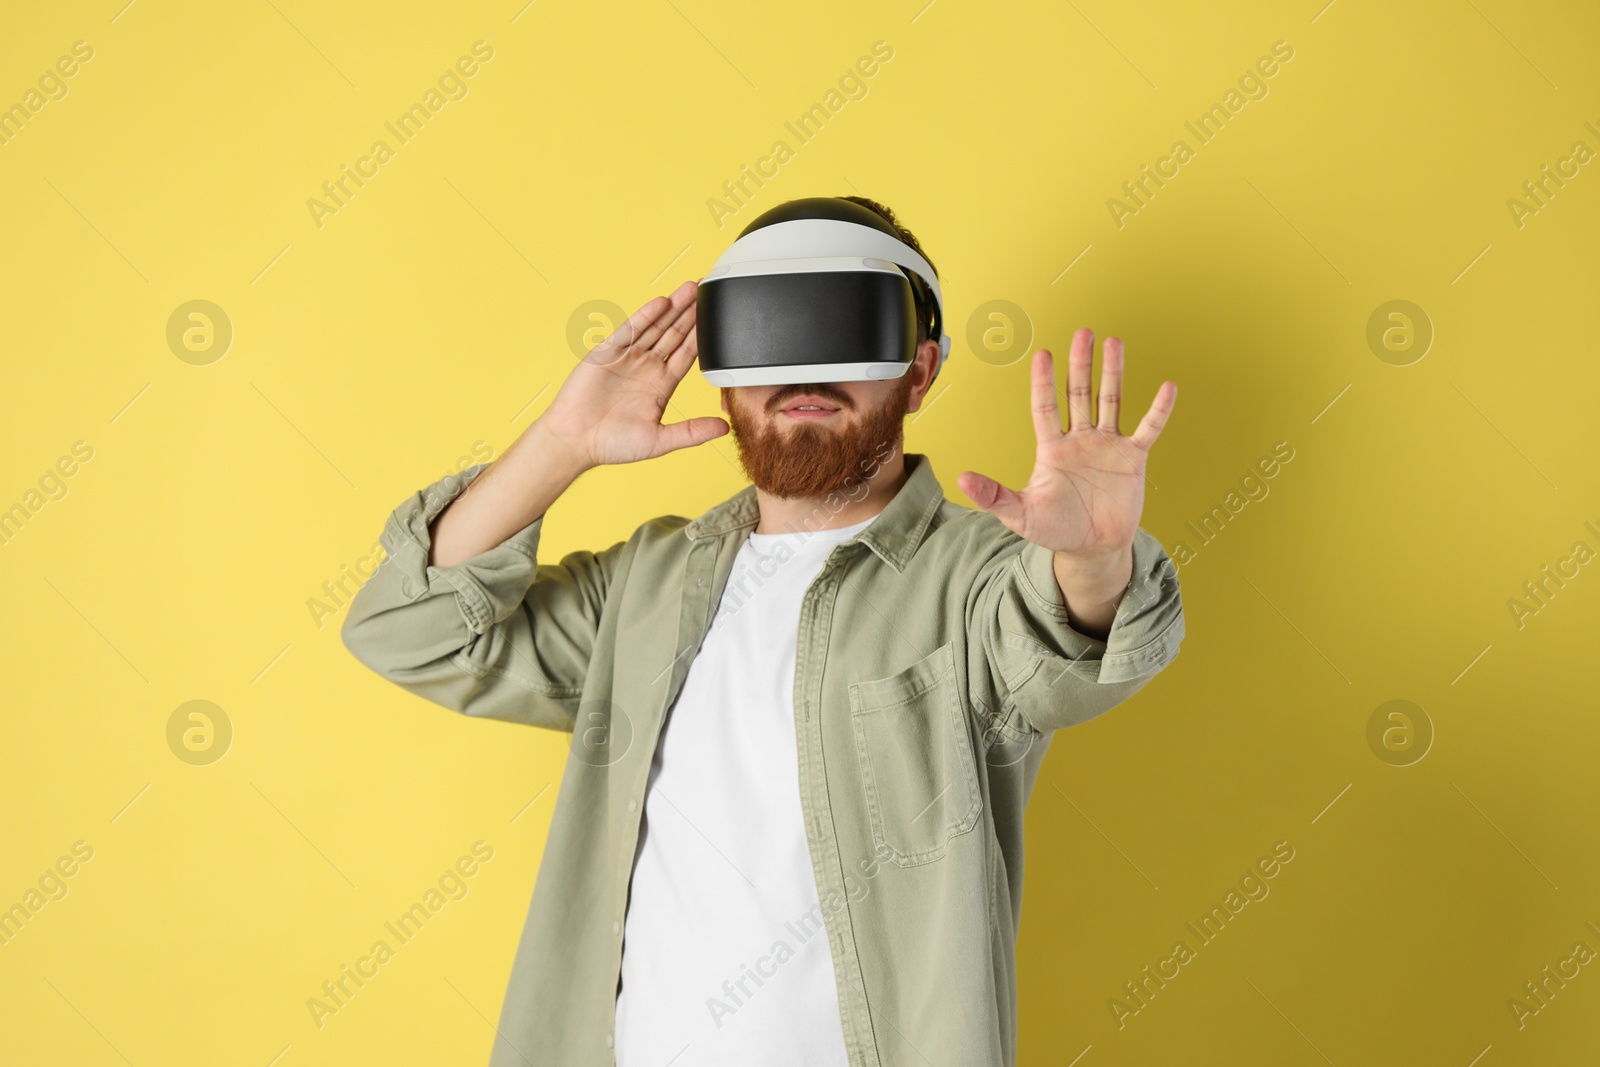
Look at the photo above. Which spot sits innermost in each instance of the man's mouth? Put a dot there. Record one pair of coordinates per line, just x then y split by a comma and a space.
809, 407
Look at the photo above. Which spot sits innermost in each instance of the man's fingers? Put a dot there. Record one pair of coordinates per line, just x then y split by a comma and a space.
683, 297
625, 334
1156, 418
673, 338
1046, 416
1080, 365
679, 362
1110, 386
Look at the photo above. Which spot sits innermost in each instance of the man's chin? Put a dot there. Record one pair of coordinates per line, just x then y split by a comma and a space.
801, 461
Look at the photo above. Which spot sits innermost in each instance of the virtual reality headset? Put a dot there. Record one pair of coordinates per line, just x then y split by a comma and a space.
815, 290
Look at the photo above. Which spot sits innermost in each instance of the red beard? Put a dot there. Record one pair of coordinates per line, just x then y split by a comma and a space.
807, 460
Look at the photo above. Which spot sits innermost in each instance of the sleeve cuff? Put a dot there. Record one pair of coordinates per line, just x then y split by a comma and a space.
488, 585
1145, 631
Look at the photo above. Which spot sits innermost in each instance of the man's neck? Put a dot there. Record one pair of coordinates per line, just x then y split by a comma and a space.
843, 507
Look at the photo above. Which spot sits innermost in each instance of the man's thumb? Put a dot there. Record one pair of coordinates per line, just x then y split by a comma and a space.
1004, 504
689, 432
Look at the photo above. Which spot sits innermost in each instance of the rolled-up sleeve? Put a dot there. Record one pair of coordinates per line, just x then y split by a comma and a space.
1054, 676
497, 636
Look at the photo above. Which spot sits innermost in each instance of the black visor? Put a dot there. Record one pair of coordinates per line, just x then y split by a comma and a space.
815, 290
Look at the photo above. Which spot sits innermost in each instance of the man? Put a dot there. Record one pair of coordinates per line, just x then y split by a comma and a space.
805, 724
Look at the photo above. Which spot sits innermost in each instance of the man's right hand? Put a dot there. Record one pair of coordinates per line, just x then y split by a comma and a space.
610, 407
607, 411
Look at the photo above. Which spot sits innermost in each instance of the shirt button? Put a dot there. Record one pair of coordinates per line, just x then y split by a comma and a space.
616, 928
633, 805
608, 1041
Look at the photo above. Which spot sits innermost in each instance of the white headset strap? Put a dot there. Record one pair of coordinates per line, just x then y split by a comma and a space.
812, 238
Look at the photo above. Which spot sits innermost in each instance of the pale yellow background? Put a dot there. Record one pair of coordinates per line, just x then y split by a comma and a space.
370, 355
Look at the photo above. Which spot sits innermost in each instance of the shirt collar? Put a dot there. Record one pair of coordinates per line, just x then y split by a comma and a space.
894, 535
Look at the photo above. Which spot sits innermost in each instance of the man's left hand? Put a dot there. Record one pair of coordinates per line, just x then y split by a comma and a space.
1086, 494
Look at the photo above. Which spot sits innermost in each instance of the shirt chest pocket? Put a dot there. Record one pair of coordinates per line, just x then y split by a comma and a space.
916, 760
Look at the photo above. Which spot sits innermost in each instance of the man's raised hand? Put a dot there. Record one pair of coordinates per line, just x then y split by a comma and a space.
609, 409
1086, 493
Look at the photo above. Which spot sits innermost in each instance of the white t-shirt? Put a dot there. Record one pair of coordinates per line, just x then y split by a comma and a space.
724, 958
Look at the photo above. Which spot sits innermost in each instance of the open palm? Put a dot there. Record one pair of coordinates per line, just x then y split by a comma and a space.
1086, 492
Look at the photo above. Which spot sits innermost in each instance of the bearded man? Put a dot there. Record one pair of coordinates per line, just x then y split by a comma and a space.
806, 723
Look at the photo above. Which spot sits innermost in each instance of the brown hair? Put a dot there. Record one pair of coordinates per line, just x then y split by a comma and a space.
921, 294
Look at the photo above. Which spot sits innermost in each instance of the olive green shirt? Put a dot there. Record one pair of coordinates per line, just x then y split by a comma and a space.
934, 660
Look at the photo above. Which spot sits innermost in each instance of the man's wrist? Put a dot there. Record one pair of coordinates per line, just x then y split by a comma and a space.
1092, 588
557, 452
1095, 577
